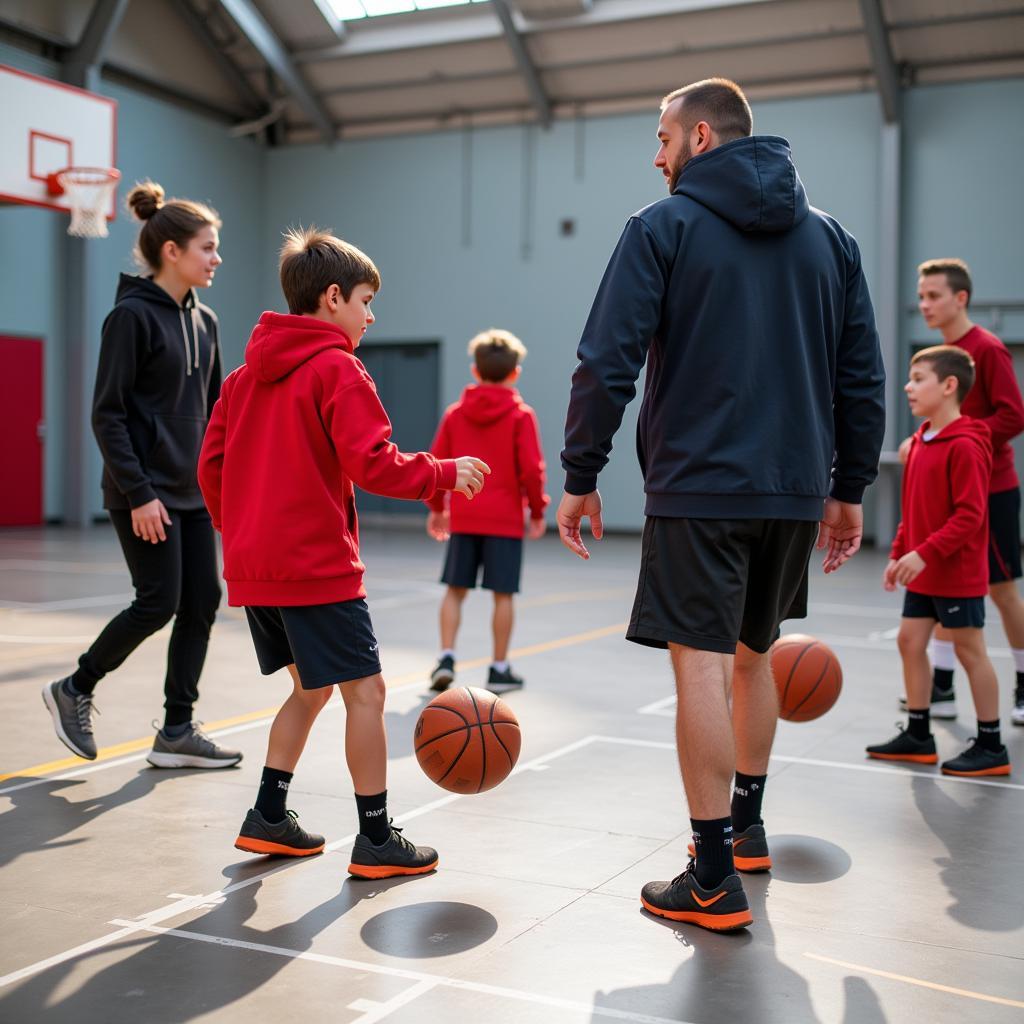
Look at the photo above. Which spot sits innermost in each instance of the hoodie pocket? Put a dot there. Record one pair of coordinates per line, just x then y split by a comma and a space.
172, 461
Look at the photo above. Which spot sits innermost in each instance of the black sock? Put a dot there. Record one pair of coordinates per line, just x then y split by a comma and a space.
373, 817
173, 728
747, 794
919, 723
713, 842
1020, 686
988, 735
942, 678
79, 685
273, 795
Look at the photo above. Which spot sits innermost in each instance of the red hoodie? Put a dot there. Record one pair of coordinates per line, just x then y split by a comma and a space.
494, 423
994, 399
293, 429
945, 509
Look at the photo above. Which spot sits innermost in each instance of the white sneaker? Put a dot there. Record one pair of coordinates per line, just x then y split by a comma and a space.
943, 705
1017, 711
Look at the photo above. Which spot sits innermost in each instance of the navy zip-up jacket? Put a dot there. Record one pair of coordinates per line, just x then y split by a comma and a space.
765, 385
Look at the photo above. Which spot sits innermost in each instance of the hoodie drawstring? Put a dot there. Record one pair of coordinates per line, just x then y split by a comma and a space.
195, 340
195, 335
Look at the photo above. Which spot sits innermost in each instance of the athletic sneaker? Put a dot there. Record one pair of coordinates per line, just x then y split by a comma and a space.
503, 681
943, 703
397, 856
192, 749
978, 760
72, 717
722, 908
1017, 711
286, 838
904, 747
749, 850
444, 673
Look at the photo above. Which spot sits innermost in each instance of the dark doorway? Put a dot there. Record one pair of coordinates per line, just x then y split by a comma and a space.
21, 428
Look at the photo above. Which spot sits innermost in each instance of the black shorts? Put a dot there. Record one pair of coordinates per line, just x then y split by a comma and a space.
951, 612
327, 643
710, 583
1004, 536
501, 557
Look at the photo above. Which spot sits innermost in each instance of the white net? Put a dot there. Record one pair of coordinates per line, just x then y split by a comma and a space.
88, 191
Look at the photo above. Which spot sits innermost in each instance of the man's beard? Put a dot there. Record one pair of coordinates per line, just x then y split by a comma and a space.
685, 155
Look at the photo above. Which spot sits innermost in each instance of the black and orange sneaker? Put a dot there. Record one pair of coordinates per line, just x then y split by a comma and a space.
749, 850
723, 908
904, 747
978, 760
282, 838
395, 857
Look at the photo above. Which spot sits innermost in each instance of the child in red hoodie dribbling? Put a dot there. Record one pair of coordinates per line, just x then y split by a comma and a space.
293, 430
492, 419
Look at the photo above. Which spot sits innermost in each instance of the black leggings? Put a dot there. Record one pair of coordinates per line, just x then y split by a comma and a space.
175, 578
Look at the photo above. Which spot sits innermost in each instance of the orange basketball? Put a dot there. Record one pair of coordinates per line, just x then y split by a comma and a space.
807, 675
467, 740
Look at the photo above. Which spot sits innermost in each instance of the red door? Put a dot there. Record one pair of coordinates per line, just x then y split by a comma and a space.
21, 431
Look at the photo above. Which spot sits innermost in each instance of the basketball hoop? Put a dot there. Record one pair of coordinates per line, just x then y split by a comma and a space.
88, 191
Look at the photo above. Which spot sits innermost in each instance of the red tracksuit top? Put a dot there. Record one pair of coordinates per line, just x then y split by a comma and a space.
995, 399
293, 430
945, 509
493, 423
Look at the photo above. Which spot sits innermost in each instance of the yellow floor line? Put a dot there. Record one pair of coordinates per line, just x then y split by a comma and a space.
133, 746
967, 993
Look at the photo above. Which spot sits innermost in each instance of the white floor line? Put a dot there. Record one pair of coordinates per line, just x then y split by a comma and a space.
658, 707
69, 604
425, 982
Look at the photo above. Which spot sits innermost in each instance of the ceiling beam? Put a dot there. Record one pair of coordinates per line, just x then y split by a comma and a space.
91, 49
887, 74
256, 29
336, 25
534, 86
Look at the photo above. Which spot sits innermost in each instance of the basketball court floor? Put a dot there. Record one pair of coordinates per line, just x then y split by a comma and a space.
895, 894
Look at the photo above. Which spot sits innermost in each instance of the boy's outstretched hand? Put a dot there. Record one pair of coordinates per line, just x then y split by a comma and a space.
536, 529
571, 511
439, 525
469, 479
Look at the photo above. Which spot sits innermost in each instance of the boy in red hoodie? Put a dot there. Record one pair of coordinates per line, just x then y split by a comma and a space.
295, 427
492, 419
940, 554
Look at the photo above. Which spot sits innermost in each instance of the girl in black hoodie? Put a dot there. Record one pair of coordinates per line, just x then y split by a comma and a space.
159, 375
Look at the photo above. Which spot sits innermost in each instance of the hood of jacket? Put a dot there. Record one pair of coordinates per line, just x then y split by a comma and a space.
281, 342
751, 182
965, 426
485, 403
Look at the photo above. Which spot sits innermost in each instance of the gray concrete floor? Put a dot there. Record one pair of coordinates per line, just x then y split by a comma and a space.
895, 894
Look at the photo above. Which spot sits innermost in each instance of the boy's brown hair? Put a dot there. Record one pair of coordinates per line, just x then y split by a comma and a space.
496, 354
313, 259
949, 361
958, 274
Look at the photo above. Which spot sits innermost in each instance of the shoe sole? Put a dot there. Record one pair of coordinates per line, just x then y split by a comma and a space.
250, 845
388, 870
160, 760
713, 922
749, 865
440, 683
1017, 719
504, 687
1002, 769
910, 758
51, 706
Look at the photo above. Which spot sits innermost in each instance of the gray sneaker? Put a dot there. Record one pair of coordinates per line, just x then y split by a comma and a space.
72, 718
192, 749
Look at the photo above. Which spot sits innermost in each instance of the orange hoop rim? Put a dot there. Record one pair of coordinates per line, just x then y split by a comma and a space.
55, 181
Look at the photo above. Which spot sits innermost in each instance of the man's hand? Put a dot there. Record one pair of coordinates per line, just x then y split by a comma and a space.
904, 449
149, 520
889, 575
840, 531
908, 568
439, 525
536, 529
470, 475
572, 510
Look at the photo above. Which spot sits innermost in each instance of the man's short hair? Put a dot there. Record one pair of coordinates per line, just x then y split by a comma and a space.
496, 354
718, 101
958, 274
313, 259
949, 361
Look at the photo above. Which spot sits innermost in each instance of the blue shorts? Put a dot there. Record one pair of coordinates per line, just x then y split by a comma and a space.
951, 612
500, 557
327, 643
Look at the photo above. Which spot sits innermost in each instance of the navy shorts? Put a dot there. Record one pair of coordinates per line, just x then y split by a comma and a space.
327, 643
951, 612
501, 558
1004, 536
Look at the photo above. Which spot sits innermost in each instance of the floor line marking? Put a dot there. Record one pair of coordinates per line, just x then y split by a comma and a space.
920, 982
68, 604
425, 981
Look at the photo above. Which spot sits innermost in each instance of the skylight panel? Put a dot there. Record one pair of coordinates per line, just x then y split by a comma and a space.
352, 10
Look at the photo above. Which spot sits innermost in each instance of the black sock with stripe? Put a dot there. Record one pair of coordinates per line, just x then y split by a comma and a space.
272, 798
919, 723
747, 794
988, 735
712, 841
373, 817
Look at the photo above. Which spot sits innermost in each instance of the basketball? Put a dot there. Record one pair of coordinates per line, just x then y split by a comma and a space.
467, 740
807, 675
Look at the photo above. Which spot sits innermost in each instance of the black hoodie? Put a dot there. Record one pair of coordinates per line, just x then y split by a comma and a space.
765, 384
158, 377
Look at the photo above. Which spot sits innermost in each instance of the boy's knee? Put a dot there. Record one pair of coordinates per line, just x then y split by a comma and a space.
970, 647
910, 640
1004, 595
458, 593
368, 692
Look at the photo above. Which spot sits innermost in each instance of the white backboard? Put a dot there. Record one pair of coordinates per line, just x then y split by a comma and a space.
47, 126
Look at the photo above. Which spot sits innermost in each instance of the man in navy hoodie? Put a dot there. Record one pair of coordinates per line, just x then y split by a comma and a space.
760, 428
